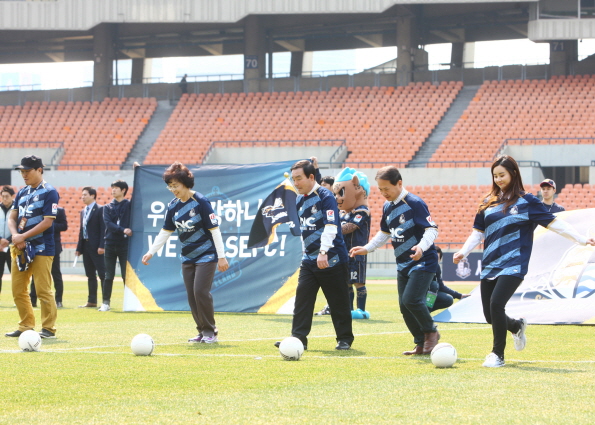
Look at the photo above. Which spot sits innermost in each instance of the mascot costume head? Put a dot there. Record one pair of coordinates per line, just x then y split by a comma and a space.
351, 189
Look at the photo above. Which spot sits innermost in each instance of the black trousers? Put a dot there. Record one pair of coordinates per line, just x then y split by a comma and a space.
94, 266
494, 296
56, 277
113, 252
334, 284
412, 302
4, 258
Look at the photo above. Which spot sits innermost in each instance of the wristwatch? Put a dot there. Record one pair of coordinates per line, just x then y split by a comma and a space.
322, 252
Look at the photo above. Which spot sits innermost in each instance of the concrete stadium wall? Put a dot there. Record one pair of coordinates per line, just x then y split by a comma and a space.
12, 156
80, 178
272, 154
554, 155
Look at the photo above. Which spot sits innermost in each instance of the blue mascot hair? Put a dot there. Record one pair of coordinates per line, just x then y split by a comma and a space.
347, 174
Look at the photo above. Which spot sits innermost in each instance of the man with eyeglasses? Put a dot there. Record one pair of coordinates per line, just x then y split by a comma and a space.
116, 216
31, 224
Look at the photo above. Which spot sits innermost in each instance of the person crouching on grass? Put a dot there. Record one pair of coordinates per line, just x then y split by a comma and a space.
505, 219
407, 222
191, 214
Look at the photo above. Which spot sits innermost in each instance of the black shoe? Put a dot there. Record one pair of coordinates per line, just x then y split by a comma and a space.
278, 343
59, 304
34, 305
342, 345
14, 334
47, 334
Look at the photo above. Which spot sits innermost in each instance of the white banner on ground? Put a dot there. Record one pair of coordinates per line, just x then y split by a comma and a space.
559, 287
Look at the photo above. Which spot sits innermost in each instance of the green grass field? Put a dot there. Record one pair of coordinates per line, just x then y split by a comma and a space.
89, 375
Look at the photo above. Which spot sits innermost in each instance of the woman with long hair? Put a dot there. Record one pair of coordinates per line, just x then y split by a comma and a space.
191, 215
505, 220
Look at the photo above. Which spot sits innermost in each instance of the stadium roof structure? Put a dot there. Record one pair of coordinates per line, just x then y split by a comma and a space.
64, 30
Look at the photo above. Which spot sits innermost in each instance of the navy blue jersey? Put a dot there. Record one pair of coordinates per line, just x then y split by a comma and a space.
317, 210
509, 235
406, 222
34, 204
360, 216
192, 220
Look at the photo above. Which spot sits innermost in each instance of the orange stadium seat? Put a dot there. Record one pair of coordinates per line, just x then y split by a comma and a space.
371, 120
555, 111
91, 133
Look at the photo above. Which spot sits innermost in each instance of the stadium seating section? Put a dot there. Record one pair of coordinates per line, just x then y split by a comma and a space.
96, 135
379, 124
559, 108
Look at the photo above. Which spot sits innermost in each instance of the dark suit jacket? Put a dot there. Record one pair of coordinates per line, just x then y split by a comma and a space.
95, 229
60, 225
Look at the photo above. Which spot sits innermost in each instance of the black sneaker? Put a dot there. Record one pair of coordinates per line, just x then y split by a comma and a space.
343, 345
47, 334
14, 334
59, 304
326, 310
278, 343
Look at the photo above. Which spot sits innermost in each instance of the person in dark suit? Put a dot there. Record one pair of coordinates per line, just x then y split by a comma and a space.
60, 225
91, 243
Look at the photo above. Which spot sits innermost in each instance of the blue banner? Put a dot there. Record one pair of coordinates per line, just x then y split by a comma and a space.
258, 280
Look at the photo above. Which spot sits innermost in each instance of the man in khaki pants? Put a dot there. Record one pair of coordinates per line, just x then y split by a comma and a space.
31, 223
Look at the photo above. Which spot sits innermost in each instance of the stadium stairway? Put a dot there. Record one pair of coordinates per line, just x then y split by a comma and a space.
149, 137
458, 107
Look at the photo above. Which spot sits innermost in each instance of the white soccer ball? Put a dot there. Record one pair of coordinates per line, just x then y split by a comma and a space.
30, 341
291, 348
142, 345
443, 355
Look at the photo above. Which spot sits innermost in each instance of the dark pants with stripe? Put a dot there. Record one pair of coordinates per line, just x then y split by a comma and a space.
494, 297
94, 266
113, 252
333, 282
412, 301
198, 279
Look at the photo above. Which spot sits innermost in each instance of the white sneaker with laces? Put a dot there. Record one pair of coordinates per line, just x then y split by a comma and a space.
209, 339
520, 340
493, 360
104, 307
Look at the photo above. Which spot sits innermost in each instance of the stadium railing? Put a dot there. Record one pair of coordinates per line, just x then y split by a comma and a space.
39, 145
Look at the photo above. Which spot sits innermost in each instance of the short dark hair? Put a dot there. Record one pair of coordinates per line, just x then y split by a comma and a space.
178, 171
390, 173
8, 190
439, 251
91, 191
328, 180
121, 184
305, 165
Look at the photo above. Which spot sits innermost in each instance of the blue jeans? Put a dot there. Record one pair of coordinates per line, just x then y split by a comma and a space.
412, 301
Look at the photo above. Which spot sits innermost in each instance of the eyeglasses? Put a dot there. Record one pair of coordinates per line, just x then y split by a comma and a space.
171, 188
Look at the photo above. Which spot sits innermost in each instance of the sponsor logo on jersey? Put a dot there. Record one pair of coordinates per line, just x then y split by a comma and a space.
213, 218
54, 208
330, 215
192, 213
402, 219
314, 210
357, 218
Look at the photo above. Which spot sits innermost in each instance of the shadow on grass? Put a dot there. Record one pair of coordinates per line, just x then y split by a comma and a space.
528, 368
207, 347
340, 353
55, 341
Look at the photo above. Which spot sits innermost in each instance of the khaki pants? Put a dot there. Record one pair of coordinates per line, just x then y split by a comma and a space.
41, 268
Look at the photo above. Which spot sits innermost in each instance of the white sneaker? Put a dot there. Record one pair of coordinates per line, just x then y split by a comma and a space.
493, 360
209, 339
104, 307
520, 340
